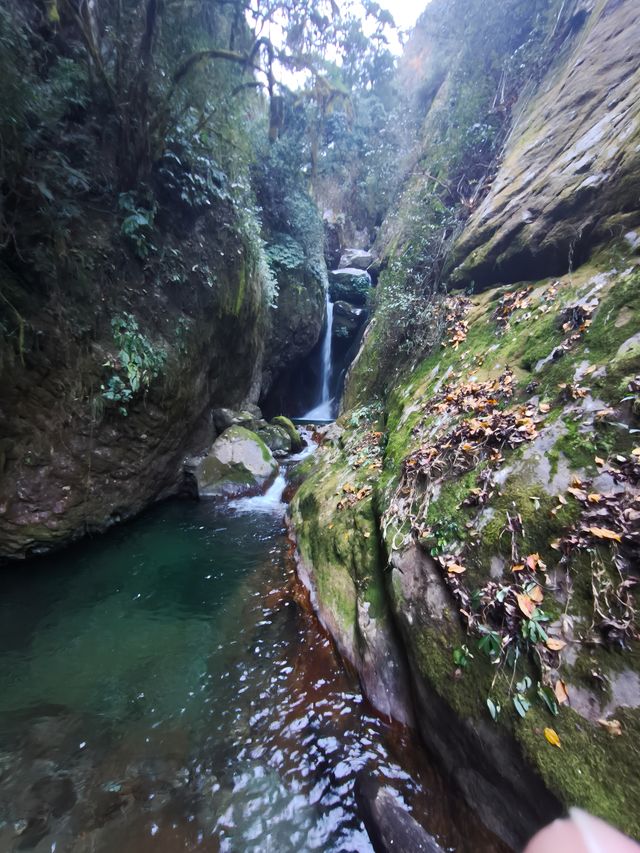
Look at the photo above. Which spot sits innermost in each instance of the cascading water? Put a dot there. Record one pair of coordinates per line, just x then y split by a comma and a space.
324, 409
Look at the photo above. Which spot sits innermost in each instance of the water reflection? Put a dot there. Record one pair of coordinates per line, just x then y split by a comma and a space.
166, 688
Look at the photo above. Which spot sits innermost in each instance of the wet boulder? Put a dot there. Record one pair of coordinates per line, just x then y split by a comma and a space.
349, 285
347, 320
225, 418
387, 821
285, 423
358, 259
276, 438
239, 463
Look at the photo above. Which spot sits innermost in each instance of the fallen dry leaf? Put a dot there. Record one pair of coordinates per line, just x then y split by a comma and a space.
599, 460
561, 692
456, 569
544, 407
552, 737
536, 595
580, 494
614, 727
594, 498
526, 605
604, 533
555, 644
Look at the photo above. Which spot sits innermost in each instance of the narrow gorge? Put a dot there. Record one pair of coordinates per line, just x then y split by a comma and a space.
319, 424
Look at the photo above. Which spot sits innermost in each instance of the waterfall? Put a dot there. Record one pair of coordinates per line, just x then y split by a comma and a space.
323, 410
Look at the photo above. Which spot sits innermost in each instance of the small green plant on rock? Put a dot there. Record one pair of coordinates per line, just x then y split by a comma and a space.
137, 364
137, 224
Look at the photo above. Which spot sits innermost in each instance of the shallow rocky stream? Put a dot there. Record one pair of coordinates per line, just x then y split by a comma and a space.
165, 687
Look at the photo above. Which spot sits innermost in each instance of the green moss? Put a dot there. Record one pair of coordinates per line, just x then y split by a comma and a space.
595, 664
350, 562
341, 545
247, 435
541, 527
592, 769
465, 693
242, 287
577, 447
296, 439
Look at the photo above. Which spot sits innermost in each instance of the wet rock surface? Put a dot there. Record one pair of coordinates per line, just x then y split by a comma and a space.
349, 285
359, 259
347, 320
390, 826
71, 462
238, 464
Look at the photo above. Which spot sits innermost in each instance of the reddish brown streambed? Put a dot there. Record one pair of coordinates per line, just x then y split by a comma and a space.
166, 687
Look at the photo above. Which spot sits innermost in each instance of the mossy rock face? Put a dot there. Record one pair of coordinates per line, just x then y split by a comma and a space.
582, 403
296, 323
562, 184
341, 562
239, 463
288, 426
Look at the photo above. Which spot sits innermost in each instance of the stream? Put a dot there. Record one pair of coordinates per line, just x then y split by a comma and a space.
166, 687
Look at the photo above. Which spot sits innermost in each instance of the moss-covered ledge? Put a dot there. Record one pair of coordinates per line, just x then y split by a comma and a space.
339, 560
556, 362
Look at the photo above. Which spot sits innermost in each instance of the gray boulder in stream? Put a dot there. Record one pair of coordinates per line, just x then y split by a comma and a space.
276, 438
358, 259
349, 285
238, 464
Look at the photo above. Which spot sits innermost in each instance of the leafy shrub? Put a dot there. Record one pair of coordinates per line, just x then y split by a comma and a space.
137, 364
285, 252
137, 225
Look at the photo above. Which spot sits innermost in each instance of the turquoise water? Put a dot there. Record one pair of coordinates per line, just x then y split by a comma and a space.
165, 687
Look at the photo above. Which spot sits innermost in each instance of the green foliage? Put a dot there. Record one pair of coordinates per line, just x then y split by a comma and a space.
285, 252
137, 225
490, 643
490, 50
520, 701
137, 364
532, 630
462, 657
444, 534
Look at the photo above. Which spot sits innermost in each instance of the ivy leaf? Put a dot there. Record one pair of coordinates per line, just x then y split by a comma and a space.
548, 697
